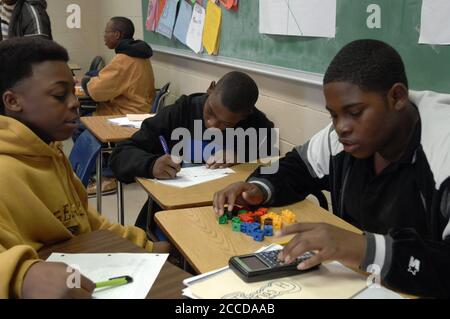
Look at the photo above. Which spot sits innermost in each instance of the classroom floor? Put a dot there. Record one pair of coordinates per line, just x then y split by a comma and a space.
134, 198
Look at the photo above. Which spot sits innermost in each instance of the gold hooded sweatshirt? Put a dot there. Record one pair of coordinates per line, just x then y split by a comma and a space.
42, 202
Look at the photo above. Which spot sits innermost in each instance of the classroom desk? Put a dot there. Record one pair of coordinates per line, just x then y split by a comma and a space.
168, 197
107, 133
206, 245
73, 66
168, 284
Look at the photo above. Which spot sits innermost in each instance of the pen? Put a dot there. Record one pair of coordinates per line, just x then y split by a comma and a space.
111, 282
164, 145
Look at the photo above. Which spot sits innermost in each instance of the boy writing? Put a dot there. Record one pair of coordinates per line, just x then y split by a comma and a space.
229, 104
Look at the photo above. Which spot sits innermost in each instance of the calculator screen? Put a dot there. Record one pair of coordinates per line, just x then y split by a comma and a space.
253, 262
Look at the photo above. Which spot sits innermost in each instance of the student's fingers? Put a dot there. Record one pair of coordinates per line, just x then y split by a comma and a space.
296, 228
170, 172
215, 166
174, 165
299, 245
231, 200
214, 162
252, 195
210, 161
315, 260
219, 202
80, 293
87, 284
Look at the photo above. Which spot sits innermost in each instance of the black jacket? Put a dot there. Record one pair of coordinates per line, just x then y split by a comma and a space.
405, 210
30, 18
136, 157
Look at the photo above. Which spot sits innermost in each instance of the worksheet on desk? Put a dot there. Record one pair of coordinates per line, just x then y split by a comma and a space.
191, 176
143, 268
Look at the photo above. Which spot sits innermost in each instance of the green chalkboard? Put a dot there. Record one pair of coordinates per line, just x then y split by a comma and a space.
428, 66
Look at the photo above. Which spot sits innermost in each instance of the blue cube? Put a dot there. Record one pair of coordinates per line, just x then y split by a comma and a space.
268, 230
258, 235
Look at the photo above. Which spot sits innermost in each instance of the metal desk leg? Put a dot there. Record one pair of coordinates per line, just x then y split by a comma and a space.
120, 208
99, 181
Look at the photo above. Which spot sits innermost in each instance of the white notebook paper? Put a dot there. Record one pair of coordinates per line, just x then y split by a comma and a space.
143, 268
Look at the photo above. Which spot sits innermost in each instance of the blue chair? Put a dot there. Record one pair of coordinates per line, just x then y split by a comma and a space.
83, 156
160, 98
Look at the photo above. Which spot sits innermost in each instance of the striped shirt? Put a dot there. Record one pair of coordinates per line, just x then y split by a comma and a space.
5, 18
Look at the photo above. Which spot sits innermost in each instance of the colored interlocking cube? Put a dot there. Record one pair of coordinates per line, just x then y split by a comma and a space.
236, 220
268, 230
258, 235
263, 210
246, 218
236, 227
287, 216
244, 227
229, 214
277, 223
223, 220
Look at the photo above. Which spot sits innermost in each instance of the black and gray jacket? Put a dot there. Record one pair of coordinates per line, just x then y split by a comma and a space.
136, 156
404, 211
30, 18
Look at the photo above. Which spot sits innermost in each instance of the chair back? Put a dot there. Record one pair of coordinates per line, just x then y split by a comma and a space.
160, 98
83, 156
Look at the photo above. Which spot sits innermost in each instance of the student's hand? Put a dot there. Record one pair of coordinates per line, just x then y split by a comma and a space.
240, 193
329, 242
47, 280
165, 168
221, 159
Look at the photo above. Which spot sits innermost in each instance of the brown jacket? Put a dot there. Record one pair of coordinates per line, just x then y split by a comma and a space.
125, 86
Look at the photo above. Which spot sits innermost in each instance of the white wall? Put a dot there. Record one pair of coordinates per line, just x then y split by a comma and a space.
296, 108
85, 43
107, 9
80, 43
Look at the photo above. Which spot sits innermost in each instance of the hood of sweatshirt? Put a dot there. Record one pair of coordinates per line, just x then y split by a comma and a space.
135, 48
18, 139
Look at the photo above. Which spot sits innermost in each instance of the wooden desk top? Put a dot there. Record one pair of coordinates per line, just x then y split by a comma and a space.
106, 132
168, 284
169, 197
73, 66
208, 245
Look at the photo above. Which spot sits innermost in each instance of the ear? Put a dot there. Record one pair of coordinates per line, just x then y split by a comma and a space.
211, 88
399, 96
119, 35
12, 102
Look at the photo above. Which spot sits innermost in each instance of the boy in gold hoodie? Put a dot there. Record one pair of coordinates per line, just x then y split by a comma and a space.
41, 200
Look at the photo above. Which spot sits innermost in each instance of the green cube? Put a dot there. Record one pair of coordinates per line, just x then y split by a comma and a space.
236, 227
236, 220
223, 220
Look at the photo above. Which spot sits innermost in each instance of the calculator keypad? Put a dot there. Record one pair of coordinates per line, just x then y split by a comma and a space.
271, 257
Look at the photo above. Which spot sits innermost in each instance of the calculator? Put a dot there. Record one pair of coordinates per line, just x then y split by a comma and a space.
265, 265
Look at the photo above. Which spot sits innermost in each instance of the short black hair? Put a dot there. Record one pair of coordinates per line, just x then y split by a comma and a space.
17, 56
238, 92
372, 65
125, 26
